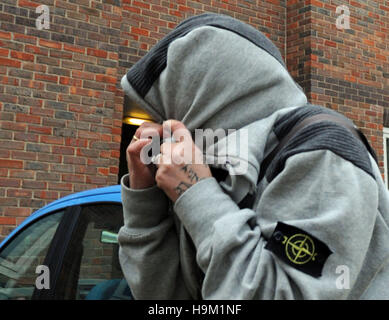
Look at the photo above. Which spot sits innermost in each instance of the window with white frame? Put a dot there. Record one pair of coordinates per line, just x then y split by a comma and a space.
386, 154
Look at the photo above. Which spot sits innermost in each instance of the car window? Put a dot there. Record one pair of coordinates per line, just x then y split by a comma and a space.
91, 269
20, 259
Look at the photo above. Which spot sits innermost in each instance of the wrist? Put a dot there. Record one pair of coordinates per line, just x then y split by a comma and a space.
139, 183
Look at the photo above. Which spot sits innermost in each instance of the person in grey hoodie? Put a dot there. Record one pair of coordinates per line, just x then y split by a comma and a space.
311, 224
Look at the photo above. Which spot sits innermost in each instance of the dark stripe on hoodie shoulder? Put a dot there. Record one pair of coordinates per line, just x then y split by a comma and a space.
319, 136
147, 70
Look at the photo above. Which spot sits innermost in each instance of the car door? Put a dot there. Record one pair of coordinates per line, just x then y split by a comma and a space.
79, 250
84, 261
22, 255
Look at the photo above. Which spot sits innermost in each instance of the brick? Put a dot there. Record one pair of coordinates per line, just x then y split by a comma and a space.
41, 111
35, 165
98, 180
22, 174
28, 118
25, 3
64, 132
10, 183
5, 35
4, 52
52, 140
83, 152
62, 38
81, 92
60, 186
113, 170
48, 60
36, 147
81, 143
48, 176
73, 48
50, 44
48, 157
20, 73
19, 193
97, 53
36, 50
74, 160
46, 77
16, 211
62, 150
25, 38
56, 88
23, 155
12, 145
21, 136
27, 184
50, 195
72, 65
16, 164
5, 125
32, 203
82, 75
10, 63
103, 171
8, 202
10, 107
73, 178
106, 79
64, 115
7, 220
22, 56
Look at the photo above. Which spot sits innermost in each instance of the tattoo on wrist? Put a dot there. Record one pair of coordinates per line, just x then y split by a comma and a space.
192, 175
182, 187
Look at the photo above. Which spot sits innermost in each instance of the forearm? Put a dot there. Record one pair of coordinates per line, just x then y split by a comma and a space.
149, 253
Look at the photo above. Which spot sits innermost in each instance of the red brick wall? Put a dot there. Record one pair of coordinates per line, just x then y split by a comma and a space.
346, 70
60, 121
61, 103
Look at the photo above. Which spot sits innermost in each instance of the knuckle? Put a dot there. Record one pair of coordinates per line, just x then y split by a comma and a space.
130, 149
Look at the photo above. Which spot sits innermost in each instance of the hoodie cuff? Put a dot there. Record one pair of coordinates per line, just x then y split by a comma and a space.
143, 208
198, 211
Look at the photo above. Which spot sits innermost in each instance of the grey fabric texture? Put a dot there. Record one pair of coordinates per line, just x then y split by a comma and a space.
204, 245
143, 74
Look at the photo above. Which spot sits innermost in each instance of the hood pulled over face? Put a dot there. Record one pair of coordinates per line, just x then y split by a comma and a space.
212, 71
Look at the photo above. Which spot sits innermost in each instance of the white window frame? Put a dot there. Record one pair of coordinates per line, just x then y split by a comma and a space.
386, 165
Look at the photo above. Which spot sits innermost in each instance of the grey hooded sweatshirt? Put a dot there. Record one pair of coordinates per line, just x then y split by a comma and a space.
318, 225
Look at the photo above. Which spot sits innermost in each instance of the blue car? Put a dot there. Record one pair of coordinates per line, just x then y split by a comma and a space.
67, 250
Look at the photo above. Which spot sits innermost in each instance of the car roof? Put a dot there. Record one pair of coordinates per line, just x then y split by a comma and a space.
105, 194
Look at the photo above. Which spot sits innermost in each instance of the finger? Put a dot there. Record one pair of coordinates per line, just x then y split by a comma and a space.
149, 129
161, 159
135, 147
166, 148
147, 133
176, 129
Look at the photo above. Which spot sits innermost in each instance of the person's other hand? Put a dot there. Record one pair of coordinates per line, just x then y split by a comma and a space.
180, 164
142, 176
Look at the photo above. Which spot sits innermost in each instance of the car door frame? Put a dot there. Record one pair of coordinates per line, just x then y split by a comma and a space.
57, 251
60, 247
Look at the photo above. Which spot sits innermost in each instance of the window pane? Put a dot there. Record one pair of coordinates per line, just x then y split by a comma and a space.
20, 258
93, 261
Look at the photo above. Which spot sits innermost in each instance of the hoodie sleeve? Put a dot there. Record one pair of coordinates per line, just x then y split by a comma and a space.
325, 200
147, 241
